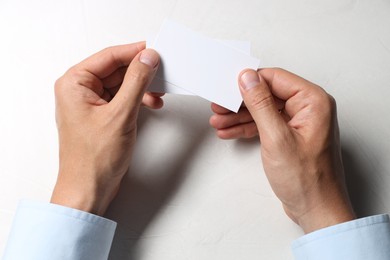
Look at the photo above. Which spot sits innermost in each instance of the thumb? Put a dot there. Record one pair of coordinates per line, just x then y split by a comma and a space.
138, 76
261, 104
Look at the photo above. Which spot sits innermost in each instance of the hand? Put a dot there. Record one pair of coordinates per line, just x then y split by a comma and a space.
300, 147
97, 104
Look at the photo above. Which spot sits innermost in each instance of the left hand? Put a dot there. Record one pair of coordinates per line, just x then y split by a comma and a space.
97, 104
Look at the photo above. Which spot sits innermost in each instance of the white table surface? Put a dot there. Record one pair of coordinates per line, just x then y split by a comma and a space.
190, 195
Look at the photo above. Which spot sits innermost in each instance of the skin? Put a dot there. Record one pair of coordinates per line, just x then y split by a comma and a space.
296, 122
97, 104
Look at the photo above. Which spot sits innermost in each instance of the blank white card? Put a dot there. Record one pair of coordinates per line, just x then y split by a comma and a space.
201, 65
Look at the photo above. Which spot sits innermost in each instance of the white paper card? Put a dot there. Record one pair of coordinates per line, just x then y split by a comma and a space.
201, 65
162, 86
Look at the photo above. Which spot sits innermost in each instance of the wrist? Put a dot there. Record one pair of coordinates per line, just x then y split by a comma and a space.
86, 196
326, 214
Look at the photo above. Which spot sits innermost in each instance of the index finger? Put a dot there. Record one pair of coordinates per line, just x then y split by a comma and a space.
284, 84
106, 61
297, 92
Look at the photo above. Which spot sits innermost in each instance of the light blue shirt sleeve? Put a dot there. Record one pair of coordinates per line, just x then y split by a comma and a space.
49, 231
362, 239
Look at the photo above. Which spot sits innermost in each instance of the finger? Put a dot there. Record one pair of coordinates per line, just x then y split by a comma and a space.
261, 104
248, 130
219, 121
105, 62
115, 79
280, 104
156, 94
138, 77
218, 109
297, 92
283, 84
152, 101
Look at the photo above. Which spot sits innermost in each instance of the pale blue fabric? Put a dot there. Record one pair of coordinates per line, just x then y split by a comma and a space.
362, 239
48, 231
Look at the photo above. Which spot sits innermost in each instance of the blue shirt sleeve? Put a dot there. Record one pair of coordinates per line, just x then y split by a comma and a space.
361, 239
49, 231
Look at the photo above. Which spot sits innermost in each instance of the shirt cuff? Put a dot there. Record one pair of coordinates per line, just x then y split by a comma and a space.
49, 231
365, 238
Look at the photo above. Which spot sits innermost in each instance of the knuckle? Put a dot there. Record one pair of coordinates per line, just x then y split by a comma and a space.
71, 76
324, 103
261, 100
278, 70
58, 85
107, 50
332, 102
138, 76
249, 131
327, 100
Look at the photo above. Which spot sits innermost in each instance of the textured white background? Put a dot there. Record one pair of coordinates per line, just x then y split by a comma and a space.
188, 194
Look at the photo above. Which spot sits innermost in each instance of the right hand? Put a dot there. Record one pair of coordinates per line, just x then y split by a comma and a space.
300, 147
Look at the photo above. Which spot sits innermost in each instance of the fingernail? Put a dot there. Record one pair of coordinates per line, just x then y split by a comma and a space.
249, 79
149, 57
